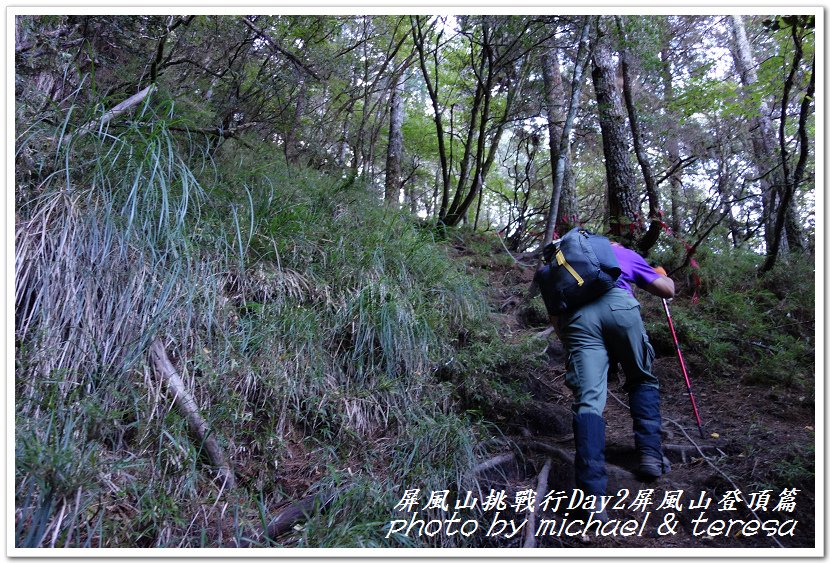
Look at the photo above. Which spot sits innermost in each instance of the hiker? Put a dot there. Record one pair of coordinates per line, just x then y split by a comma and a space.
610, 329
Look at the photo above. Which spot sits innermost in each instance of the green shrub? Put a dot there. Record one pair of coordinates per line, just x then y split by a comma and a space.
758, 328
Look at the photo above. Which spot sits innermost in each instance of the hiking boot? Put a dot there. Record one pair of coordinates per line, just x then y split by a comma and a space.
651, 467
600, 516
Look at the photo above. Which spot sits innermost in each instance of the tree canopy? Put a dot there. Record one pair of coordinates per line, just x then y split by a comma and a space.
697, 126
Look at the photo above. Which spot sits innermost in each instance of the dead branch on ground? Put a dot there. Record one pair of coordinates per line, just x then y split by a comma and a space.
541, 491
186, 404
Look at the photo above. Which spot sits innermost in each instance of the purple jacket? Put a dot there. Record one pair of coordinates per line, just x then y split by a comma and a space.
634, 269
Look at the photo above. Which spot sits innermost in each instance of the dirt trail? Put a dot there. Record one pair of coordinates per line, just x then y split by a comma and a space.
756, 439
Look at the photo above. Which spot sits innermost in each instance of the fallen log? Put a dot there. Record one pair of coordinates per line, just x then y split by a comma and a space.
492, 463
285, 520
186, 404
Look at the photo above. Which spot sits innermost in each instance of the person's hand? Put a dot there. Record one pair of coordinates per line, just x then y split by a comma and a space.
662, 286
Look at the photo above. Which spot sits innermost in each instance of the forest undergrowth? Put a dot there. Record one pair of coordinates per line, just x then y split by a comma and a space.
306, 322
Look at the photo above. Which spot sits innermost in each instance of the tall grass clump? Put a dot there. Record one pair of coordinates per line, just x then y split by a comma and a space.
103, 266
354, 309
306, 321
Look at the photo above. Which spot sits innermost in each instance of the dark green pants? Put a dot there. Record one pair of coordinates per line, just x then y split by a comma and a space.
610, 326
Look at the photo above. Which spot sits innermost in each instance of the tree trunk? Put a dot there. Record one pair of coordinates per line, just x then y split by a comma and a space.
291, 147
649, 239
792, 179
476, 135
482, 133
486, 149
769, 171
395, 147
419, 38
482, 95
343, 148
672, 143
761, 131
478, 209
583, 53
724, 184
622, 203
794, 229
554, 100
435, 193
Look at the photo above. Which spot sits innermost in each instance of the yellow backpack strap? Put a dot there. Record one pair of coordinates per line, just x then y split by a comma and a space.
560, 259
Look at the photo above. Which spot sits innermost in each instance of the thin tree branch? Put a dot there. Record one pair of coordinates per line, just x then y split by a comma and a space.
679, 165
130, 102
287, 54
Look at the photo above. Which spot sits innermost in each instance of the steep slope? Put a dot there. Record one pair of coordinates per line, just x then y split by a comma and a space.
758, 439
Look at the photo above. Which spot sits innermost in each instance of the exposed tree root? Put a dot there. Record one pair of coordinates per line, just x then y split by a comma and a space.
719, 470
568, 457
493, 462
685, 451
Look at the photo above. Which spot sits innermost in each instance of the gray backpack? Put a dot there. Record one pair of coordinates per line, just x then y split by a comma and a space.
579, 267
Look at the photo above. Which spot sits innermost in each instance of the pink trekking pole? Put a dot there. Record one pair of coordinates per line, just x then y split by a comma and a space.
683, 367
